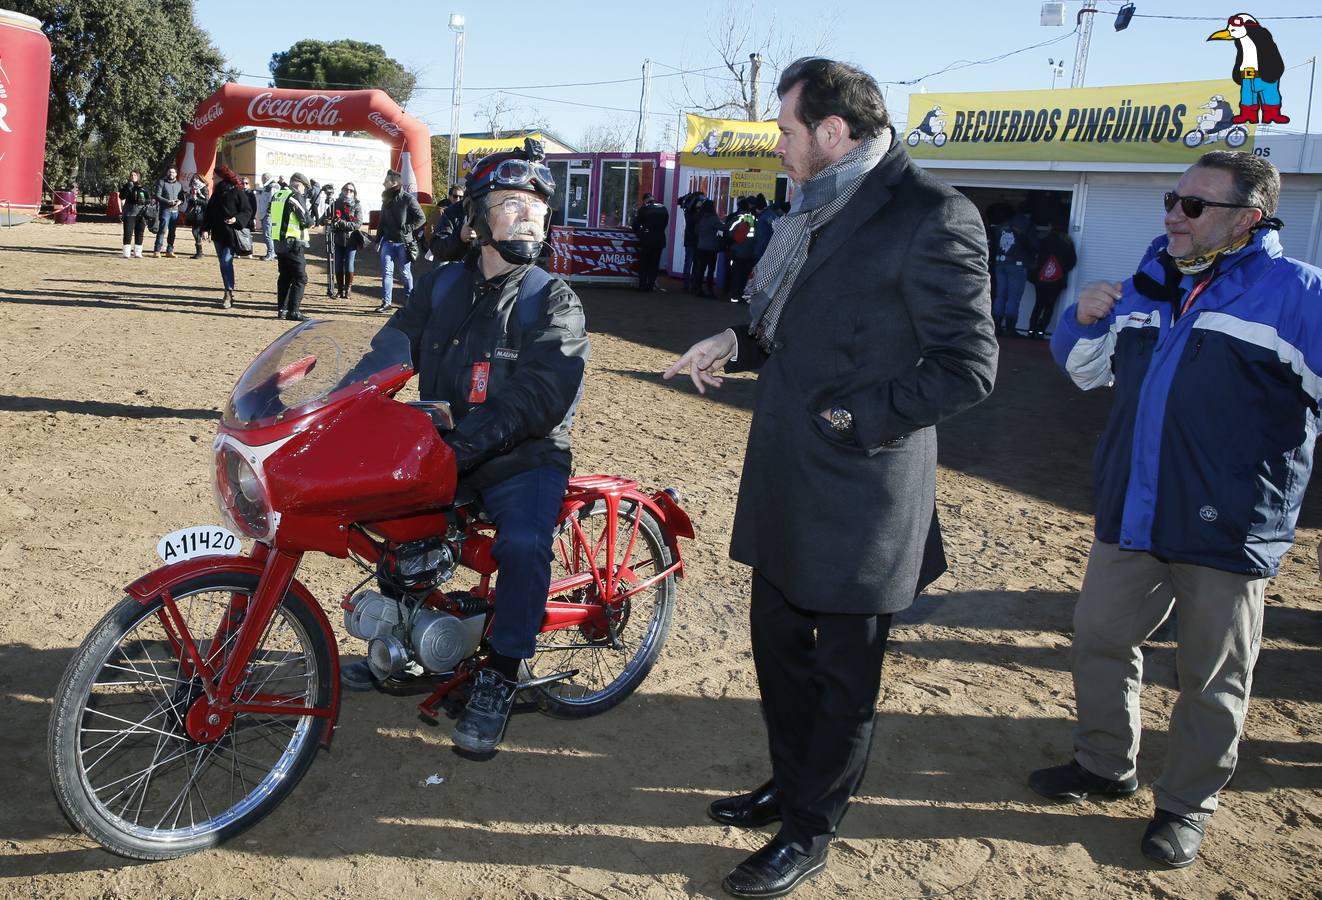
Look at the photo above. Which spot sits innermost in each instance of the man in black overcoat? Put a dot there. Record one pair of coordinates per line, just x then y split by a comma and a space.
870, 324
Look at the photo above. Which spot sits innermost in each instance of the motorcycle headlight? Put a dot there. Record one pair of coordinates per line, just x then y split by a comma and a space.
241, 496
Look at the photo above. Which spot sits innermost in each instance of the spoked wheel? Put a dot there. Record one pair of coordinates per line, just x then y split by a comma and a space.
613, 653
126, 768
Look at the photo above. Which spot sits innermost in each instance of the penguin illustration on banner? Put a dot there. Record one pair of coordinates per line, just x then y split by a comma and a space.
1258, 69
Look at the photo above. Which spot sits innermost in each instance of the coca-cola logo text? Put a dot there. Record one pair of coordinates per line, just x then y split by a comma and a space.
384, 124
314, 110
214, 112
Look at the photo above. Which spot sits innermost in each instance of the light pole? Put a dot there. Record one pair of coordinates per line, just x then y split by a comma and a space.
457, 26
1057, 70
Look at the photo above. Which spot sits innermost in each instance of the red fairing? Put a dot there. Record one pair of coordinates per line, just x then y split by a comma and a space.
369, 460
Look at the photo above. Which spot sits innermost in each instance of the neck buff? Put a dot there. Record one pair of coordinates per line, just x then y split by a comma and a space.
1192, 265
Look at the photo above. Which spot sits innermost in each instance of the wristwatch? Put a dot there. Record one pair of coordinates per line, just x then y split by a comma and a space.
842, 420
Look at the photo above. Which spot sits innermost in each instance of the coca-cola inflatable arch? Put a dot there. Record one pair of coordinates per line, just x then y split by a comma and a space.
235, 105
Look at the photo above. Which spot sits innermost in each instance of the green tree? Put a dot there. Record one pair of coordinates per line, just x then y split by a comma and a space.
440, 163
328, 65
126, 76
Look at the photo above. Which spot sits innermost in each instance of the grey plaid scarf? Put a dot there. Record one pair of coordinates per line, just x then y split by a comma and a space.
819, 199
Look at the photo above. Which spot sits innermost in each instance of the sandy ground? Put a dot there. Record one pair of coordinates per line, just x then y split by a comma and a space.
111, 373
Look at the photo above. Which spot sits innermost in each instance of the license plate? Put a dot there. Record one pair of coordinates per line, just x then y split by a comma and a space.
198, 540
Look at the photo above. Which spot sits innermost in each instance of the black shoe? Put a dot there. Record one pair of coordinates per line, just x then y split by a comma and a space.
773, 871
1073, 782
295, 316
482, 723
357, 676
1172, 840
759, 807
279, 313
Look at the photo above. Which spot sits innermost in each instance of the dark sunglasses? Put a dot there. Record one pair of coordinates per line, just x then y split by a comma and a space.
1193, 207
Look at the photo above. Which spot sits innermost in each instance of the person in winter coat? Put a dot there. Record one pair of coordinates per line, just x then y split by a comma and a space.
134, 197
649, 224
741, 237
1213, 349
401, 215
1014, 244
691, 203
226, 211
195, 211
346, 218
1049, 275
170, 196
264, 196
709, 244
453, 236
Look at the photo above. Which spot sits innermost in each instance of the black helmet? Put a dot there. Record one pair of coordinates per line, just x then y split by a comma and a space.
514, 170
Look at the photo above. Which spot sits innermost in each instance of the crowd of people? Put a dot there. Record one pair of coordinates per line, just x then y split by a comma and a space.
742, 236
231, 213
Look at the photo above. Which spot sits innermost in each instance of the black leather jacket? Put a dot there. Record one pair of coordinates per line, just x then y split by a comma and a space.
533, 376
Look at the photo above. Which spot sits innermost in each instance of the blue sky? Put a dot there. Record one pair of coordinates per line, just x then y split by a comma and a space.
514, 51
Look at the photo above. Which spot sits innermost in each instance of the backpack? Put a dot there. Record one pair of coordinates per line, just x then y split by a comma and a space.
1050, 271
742, 230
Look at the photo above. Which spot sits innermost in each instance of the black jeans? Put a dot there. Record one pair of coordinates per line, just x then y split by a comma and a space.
134, 226
704, 271
739, 271
1044, 306
293, 278
819, 675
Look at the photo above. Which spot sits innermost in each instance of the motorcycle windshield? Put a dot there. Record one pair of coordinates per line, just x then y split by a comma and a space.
313, 365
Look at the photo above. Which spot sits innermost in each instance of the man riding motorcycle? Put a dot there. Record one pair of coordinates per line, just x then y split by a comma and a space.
509, 357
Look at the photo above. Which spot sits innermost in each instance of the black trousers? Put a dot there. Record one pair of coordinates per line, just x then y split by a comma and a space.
819, 675
704, 270
1044, 305
649, 264
739, 272
292, 280
134, 226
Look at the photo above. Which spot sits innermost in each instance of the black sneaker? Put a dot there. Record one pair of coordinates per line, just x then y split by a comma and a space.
1072, 782
482, 723
384, 307
1172, 840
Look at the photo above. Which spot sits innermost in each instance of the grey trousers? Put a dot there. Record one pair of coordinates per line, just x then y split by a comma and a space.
1126, 596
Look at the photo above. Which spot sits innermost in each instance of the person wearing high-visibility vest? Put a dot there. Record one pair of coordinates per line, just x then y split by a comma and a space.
290, 219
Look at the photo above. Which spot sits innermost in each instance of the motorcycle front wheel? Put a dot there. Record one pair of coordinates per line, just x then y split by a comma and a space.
611, 661
124, 768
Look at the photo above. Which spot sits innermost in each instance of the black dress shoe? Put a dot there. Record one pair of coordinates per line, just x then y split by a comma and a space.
1072, 782
773, 871
759, 807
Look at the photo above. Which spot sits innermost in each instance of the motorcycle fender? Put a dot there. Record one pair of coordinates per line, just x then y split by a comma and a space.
674, 521
168, 577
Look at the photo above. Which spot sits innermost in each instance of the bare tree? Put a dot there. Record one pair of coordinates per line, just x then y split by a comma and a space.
496, 110
606, 137
752, 48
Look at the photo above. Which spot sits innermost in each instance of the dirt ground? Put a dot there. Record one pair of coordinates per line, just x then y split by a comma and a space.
111, 375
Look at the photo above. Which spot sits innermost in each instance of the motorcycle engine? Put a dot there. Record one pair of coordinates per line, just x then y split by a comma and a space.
400, 632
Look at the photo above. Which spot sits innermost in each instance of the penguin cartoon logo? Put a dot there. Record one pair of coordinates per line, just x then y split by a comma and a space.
1258, 70
709, 144
932, 129
1216, 123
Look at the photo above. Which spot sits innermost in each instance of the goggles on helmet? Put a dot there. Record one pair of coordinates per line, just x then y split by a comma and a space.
516, 174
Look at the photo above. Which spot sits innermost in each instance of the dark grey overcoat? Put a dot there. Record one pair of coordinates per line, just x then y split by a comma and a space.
889, 318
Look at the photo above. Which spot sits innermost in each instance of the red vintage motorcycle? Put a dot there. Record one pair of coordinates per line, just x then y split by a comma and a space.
198, 703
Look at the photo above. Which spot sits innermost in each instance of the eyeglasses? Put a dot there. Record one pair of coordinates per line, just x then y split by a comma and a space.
1193, 207
517, 206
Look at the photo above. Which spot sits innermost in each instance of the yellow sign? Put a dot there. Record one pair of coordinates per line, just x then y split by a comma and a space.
730, 144
473, 149
751, 182
1144, 123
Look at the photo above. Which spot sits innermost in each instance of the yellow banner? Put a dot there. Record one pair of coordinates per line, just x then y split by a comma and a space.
1139, 123
473, 149
730, 144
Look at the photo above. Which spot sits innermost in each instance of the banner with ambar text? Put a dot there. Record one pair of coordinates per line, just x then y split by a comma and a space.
1139, 123
473, 149
730, 144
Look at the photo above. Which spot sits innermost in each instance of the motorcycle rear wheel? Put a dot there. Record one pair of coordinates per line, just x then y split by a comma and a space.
123, 767
607, 674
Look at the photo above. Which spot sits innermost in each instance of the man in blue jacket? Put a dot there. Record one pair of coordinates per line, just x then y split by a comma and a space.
1214, 348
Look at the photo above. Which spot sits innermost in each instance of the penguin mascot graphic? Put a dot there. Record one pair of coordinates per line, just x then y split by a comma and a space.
1258, 69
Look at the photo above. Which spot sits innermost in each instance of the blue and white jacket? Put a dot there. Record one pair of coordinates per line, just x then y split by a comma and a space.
1210, 441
